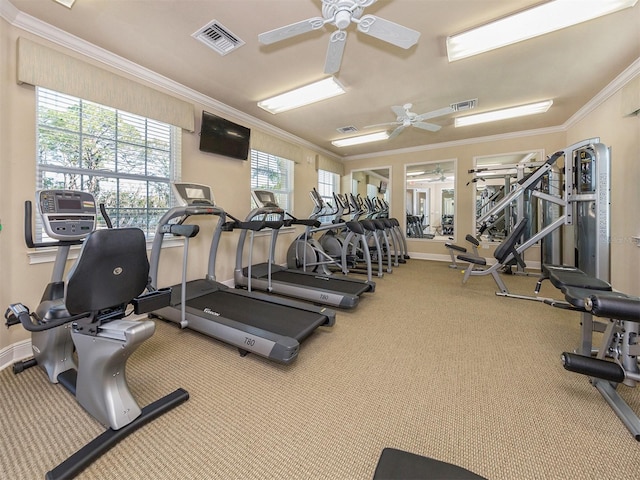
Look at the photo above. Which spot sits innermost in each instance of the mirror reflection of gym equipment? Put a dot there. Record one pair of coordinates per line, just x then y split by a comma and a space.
495, 175
373, 182
430, 200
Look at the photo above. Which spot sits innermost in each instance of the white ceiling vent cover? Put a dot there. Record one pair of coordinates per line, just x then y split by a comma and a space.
347, 129
218, 38
464, 105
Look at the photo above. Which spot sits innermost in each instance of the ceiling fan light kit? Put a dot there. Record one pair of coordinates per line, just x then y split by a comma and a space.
539, 20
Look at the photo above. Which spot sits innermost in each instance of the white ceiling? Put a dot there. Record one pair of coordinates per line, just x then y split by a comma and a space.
570, 66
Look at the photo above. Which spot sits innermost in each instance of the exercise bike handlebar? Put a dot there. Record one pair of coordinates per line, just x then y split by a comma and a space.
21, 313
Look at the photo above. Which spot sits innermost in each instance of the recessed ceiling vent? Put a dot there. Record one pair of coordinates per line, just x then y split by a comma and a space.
347, 129
464, 105
218, 38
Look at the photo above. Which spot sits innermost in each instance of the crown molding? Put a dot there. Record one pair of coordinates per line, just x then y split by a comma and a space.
616, 84
64, 39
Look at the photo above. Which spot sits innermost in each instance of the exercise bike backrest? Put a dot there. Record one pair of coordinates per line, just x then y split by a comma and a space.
111, 270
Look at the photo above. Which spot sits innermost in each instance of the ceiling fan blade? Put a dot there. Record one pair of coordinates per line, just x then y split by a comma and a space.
396, 132
388, 31
335, 51
434, 114
288, 31
432, 127
400, 111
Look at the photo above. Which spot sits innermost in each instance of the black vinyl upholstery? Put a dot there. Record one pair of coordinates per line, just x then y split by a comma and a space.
508, 246
399, 465
112, 269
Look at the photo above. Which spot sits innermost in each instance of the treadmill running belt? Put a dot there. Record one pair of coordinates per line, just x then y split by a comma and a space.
285, 321
336, 285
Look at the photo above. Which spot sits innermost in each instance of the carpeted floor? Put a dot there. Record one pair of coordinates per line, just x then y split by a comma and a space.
424, 364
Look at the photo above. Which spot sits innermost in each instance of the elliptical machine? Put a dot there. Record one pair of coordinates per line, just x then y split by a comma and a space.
84, 317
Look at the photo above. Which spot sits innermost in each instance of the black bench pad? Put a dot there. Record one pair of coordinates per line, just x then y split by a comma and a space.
472, 259
455, 247
400, 465
565, 276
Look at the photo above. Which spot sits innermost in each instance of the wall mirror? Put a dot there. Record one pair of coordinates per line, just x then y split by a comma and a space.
493, 177
430, 200
374, 183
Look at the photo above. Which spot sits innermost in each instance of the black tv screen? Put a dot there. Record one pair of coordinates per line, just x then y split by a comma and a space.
221, 136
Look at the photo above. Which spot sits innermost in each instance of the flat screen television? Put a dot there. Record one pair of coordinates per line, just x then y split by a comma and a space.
382, 189
223, 137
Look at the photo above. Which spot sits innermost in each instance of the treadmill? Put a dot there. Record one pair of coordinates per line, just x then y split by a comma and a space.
254, 322
330, 290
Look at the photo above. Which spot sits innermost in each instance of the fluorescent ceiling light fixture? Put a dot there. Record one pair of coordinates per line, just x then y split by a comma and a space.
314, 92
370, 137
415, 174
66, 3
531, 23
504, 114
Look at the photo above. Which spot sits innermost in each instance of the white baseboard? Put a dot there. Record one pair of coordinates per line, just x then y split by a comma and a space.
447, 258
430, 256
15, 352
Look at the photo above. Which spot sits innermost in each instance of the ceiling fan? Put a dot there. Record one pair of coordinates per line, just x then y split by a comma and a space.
439, 172
406, 118
341, 13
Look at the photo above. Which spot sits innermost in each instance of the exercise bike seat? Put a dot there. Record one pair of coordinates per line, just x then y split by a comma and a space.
111, 271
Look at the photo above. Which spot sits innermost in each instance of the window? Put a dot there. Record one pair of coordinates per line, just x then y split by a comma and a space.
269, 172
328, 183
126, 161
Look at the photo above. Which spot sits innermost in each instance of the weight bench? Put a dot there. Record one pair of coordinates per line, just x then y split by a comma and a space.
504, 254
451, 247
399, 465
620, 342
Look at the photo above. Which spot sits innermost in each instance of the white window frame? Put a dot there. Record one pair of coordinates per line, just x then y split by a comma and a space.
270, 172
148, 128
328, 183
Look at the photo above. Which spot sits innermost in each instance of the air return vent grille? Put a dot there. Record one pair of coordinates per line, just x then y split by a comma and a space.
464, 105
347, 129
218, 38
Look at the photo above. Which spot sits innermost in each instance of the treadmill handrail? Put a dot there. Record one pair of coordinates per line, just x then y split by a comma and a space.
183, 212
264, 212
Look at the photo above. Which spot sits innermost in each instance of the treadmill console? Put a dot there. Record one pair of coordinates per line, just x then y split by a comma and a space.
193, 194
264, 198
67, 214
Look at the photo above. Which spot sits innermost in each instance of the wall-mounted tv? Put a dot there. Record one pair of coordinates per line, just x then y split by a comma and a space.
221, 136
382, 189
